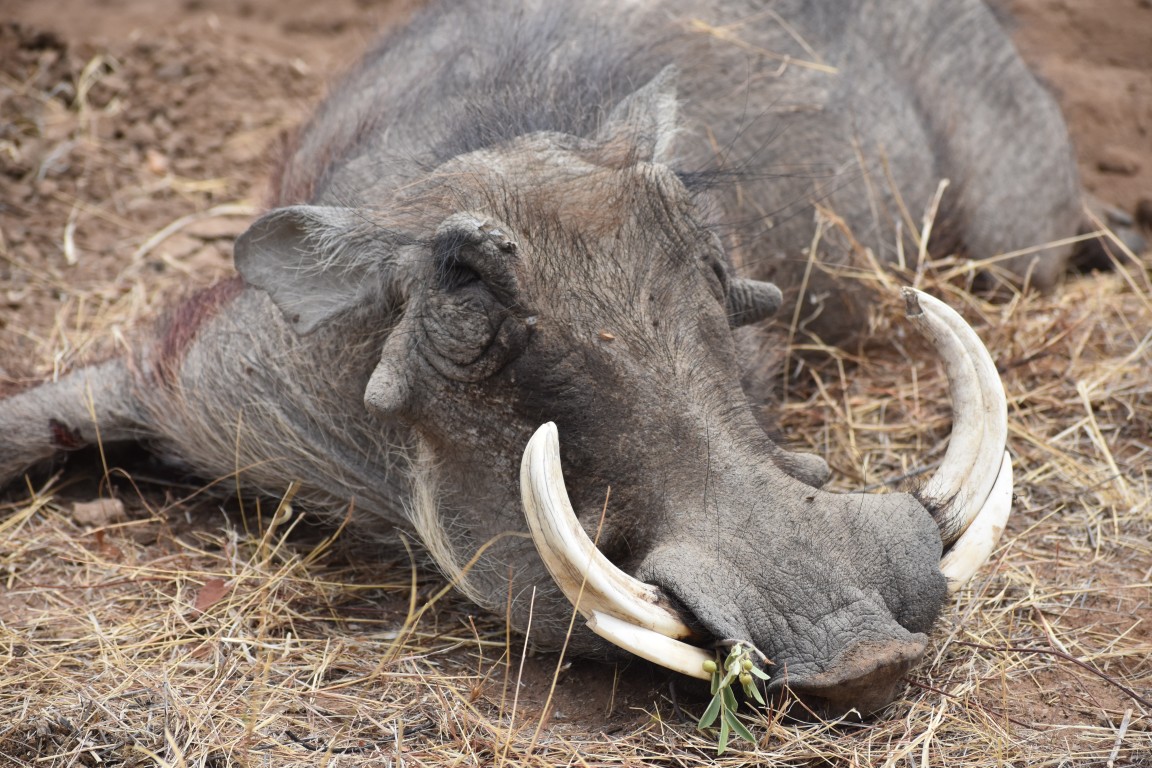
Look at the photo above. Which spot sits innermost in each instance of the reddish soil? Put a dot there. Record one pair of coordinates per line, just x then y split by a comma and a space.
118, 117
1097, 56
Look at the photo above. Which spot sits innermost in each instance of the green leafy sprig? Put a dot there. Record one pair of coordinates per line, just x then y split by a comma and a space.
739, 666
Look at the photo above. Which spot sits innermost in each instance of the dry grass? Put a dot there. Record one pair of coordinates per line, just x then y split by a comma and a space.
137, 642
177, 636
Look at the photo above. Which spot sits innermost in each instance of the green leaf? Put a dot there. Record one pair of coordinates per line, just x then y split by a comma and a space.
729, 699
724, 703
739, 727
722, 742
710, 714
752, 691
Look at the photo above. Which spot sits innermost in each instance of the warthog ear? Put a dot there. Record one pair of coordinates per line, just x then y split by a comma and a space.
647, 120
750, 301
315, 262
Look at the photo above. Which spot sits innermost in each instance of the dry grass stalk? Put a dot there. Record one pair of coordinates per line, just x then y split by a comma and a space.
301, 659
178, 638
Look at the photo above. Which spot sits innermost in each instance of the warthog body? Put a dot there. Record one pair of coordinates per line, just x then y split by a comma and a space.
513, 213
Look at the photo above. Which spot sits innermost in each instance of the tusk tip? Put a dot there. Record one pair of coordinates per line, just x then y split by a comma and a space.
545, 437
912, 306
547, 429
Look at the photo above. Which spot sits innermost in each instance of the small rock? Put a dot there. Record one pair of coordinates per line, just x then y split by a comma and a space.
162, 125
175, 142
1118, 160
98, 513
141, 133
46, 187
172, 71
1144, 210
1117, 217
157, 162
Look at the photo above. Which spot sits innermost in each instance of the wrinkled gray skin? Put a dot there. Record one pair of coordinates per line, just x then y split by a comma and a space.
507, 216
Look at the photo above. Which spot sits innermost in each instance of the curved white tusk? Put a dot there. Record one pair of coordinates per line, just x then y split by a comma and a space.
586, 577
656, 648
975, 545
979, 414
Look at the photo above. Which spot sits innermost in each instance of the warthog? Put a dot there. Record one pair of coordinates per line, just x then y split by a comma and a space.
515, 214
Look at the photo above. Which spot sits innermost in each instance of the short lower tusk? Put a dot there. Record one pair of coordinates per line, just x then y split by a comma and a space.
586, 577
979, 415
975, 545
656, 648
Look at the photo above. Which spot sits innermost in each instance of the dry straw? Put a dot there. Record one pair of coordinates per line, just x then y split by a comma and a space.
173, 635
150, 640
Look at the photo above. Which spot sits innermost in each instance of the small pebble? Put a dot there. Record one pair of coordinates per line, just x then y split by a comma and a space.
98, 513
1144, 210
1118, 160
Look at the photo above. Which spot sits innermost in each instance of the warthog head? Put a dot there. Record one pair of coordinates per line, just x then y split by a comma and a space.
576, 281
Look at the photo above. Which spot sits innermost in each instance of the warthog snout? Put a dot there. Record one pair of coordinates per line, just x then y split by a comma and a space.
837, 590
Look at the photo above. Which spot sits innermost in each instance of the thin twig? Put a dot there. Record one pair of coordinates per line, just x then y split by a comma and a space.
1065, 657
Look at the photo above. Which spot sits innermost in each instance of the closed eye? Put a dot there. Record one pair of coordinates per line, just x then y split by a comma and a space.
454, 276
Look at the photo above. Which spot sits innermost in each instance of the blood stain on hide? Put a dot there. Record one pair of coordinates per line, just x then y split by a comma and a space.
180, 326
64, 437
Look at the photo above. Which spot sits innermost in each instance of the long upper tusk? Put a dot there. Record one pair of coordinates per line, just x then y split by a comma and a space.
585, 576
975, 545
979, 415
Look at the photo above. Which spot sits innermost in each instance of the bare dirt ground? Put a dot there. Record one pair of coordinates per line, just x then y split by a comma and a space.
135, 138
